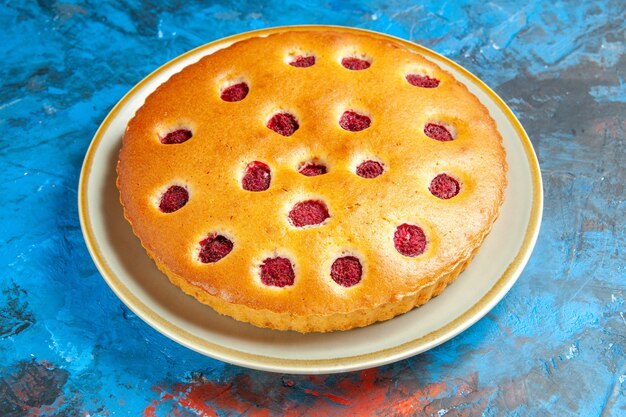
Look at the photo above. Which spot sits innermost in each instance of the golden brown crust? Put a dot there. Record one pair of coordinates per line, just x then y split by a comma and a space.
364, 213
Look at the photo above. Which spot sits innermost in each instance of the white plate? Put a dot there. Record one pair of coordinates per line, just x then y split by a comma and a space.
135, 279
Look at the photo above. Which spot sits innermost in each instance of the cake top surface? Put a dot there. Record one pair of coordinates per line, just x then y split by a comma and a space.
312, 173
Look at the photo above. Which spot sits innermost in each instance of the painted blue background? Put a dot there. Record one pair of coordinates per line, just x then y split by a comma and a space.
554, 346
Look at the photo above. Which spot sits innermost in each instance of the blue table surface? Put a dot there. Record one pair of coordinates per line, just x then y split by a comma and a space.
555, 345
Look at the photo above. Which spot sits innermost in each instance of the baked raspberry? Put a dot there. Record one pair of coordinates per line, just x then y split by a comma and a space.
308, 213
214, 248
177, 136
277, 272
173, 199
355, 64
444, 186
353, 121
369, 169
346, 271
438, 132
409, 240
423, 81
283, 123
257, 177
312, 170
235, 92
303, 61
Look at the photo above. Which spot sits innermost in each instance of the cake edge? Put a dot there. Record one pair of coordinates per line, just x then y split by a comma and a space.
318, 323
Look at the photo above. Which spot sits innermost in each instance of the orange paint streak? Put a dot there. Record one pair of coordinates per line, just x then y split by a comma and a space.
335, 398
196, 399
368, 377
205, 397
420, 398
150, 411
353, 394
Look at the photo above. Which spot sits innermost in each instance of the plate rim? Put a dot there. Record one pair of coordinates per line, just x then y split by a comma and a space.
327, 365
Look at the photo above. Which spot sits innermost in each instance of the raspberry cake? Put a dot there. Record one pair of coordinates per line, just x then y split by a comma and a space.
312, 181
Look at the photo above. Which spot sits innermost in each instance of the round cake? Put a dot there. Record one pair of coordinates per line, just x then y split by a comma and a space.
312, 181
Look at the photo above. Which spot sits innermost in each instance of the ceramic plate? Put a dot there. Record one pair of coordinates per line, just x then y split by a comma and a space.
135, 279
